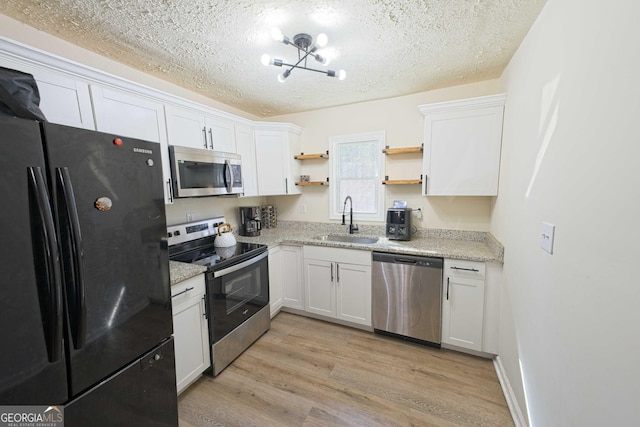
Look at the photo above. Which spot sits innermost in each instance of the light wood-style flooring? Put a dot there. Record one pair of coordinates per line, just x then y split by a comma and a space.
306, 372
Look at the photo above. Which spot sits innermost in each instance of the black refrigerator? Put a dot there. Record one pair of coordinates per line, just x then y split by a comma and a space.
85, 303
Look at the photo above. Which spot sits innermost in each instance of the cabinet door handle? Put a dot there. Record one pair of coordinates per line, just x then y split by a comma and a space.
286, 185
331, 272
337, 273
465, 269
447, 289
170, 191
211, 137
183, 292
204, 307
426, 191
204, 132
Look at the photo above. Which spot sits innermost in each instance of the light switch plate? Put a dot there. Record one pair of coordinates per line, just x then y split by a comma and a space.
546, 238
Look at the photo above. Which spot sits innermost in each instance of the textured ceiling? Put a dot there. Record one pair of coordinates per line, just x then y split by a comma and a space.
387, 47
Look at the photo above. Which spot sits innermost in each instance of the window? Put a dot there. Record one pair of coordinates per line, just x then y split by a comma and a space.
356, 171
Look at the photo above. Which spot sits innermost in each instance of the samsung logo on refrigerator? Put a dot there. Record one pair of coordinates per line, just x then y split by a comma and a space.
142, 150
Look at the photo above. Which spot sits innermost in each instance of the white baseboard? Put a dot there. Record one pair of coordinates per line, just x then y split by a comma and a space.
518, 418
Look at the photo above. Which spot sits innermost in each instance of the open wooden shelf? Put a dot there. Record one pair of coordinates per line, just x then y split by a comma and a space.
303, 156
303, 183
401, 181
405, 150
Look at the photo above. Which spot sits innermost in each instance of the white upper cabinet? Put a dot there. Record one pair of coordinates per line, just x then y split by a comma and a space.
135, 116
462, 147
186, 127
246, 147
64, 100
277, 170
197, 129
221, 134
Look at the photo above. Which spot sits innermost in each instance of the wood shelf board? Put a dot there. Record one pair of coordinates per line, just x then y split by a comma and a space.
402, 181
311, 156
405, 150
303, 183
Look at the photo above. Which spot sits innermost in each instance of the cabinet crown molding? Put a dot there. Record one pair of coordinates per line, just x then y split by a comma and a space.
290, 127
497, 100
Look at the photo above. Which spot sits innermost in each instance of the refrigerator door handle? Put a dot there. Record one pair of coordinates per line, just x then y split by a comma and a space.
76, 295
53, 298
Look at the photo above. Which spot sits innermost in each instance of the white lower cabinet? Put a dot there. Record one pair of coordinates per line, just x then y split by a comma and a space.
463, 304
292, 278
275, 280
286, 287
190, 330
338, 283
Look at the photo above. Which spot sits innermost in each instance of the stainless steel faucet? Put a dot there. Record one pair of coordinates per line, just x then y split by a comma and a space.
352, 227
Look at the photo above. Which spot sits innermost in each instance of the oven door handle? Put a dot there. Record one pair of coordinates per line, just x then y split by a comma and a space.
240, 266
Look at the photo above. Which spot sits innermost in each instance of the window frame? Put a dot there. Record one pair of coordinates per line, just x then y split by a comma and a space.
335, 206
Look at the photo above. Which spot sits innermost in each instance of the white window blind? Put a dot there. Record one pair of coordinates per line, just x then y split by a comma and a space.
356, 171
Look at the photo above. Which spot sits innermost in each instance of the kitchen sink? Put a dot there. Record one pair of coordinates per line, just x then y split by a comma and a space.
348, 239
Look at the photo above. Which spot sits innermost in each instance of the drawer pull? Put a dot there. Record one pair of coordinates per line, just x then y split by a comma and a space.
183, 292
465, 269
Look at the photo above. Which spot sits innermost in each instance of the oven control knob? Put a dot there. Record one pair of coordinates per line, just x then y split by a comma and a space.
176, 233
169, 234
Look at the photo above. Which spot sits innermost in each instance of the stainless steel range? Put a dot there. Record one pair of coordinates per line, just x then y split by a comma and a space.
237, 286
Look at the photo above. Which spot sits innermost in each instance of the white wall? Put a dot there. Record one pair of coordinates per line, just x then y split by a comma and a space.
571, 150
404, 127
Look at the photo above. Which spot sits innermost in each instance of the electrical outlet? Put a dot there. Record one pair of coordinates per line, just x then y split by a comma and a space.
303, 208
546, 237
189, 217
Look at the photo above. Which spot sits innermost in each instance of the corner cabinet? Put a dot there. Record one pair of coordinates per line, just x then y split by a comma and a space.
246, 147
275, 280
276, 169
128, 114
190, 330
462, 143
338, 283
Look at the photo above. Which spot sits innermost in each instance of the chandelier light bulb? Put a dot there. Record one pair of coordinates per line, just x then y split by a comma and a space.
277, 34
322, 40
266, 59
282, 77
342, 74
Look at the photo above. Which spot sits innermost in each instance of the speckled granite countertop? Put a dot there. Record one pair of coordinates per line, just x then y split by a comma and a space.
468, 245
179, 271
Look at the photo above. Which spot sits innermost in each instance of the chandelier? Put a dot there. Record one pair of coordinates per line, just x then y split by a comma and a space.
306, 48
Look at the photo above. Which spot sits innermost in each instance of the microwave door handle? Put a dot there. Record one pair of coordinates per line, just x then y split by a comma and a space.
229, 184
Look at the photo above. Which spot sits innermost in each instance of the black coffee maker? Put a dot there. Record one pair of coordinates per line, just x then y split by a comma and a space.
399, 223
250, 221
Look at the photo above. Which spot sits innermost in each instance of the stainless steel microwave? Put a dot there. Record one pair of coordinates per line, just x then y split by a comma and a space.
197, 172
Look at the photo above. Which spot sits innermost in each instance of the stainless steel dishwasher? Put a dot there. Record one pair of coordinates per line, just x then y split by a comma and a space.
407, 296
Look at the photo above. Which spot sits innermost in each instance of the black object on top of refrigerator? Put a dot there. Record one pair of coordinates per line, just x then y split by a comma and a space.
85, 304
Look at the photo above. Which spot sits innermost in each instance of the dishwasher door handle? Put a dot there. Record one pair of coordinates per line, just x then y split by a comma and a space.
405, 260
